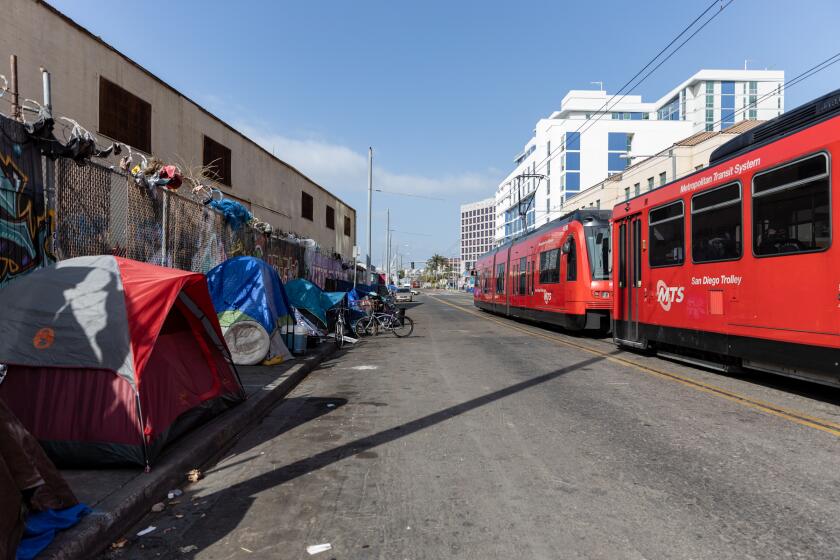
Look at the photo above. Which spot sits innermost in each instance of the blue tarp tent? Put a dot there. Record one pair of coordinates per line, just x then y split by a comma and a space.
252, 307
305, 295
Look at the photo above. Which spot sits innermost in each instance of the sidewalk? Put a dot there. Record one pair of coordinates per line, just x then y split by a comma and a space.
120, 497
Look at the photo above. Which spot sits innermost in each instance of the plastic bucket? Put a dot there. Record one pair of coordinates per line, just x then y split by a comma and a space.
300, 340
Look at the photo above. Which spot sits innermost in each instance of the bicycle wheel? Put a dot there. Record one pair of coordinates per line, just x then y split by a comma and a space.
362, 327
404, 328
339, 332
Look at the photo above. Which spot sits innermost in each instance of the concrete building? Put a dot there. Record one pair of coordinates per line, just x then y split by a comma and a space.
595, 134
478, 224
117, 99
678, 160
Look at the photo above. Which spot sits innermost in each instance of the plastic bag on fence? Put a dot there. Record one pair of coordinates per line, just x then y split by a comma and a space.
170, 177
235, 214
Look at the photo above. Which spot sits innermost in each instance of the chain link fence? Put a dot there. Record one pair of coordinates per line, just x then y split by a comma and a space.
100, 210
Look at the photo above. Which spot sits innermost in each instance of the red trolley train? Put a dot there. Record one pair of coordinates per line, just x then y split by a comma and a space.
735, 263
558, 274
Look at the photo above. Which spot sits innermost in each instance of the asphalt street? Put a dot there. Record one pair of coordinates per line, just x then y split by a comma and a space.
479, 437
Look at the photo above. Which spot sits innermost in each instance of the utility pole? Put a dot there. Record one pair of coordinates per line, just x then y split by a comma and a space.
370, 213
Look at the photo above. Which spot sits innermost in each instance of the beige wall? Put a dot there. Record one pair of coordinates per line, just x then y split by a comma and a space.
271, 188
612, 191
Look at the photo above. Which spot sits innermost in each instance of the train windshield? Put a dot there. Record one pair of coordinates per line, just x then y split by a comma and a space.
598, 249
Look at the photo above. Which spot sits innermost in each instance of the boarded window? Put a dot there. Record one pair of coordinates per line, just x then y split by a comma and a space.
217, 161
124, 117
330, 217
306, 204
348, 227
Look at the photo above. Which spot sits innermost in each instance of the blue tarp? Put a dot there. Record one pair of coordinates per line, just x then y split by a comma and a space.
305, 295
249, 286
41, 528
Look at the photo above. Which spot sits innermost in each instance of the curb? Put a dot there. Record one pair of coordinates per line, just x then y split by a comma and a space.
118, 512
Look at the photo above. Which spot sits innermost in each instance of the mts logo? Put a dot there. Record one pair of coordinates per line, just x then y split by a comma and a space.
666, 295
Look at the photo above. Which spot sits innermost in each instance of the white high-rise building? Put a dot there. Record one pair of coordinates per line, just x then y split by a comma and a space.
595, 135
478, 225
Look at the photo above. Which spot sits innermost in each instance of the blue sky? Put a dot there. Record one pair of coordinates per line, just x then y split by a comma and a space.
446, 92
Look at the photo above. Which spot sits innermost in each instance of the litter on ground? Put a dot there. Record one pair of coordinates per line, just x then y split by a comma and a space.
146, 531
318, 548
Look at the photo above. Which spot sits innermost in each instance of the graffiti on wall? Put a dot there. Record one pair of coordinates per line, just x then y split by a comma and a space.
24, 223
283, 256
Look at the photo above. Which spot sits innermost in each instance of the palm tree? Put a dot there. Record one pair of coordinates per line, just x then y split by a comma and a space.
437, 264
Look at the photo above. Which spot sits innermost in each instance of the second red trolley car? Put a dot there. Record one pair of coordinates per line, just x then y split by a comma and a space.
559, 274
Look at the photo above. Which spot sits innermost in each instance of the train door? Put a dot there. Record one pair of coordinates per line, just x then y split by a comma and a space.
508, 286
629, 285
569, 272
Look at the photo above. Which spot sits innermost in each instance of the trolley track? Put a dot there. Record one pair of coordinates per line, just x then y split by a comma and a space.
627, 359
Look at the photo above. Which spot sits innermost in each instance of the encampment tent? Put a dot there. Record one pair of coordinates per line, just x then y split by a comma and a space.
308, 297
110, 358
252, 307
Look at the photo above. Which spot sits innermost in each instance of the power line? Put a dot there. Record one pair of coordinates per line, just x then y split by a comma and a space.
652, 60
663, 61
600, 115
407, 194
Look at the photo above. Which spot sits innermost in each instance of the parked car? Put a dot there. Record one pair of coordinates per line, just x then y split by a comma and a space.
415, 292
403, 294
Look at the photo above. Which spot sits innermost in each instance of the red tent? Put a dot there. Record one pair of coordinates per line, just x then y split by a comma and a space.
110, 358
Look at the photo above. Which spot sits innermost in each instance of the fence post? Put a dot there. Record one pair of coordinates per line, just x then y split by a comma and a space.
49, 169
164, 234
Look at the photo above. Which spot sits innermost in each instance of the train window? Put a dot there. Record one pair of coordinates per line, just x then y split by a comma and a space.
571, 260
531, 267
667, 235
500, 279
523, 267
791, 208
716, 224
598, 247
550, 266
514, 287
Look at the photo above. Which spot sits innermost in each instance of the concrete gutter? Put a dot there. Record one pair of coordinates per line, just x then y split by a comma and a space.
117, 513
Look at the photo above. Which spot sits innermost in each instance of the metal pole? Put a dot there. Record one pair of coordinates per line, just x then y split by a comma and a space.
49, 165
45, 76
388, 246
370, 214
16, 112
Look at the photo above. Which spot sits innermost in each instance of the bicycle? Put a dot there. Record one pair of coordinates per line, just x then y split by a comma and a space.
398, 324
339, 326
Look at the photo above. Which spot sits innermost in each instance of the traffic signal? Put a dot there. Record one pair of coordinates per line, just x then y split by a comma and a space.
412, 265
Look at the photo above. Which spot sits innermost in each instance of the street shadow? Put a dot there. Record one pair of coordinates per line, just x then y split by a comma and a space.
238, 498
301, 410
